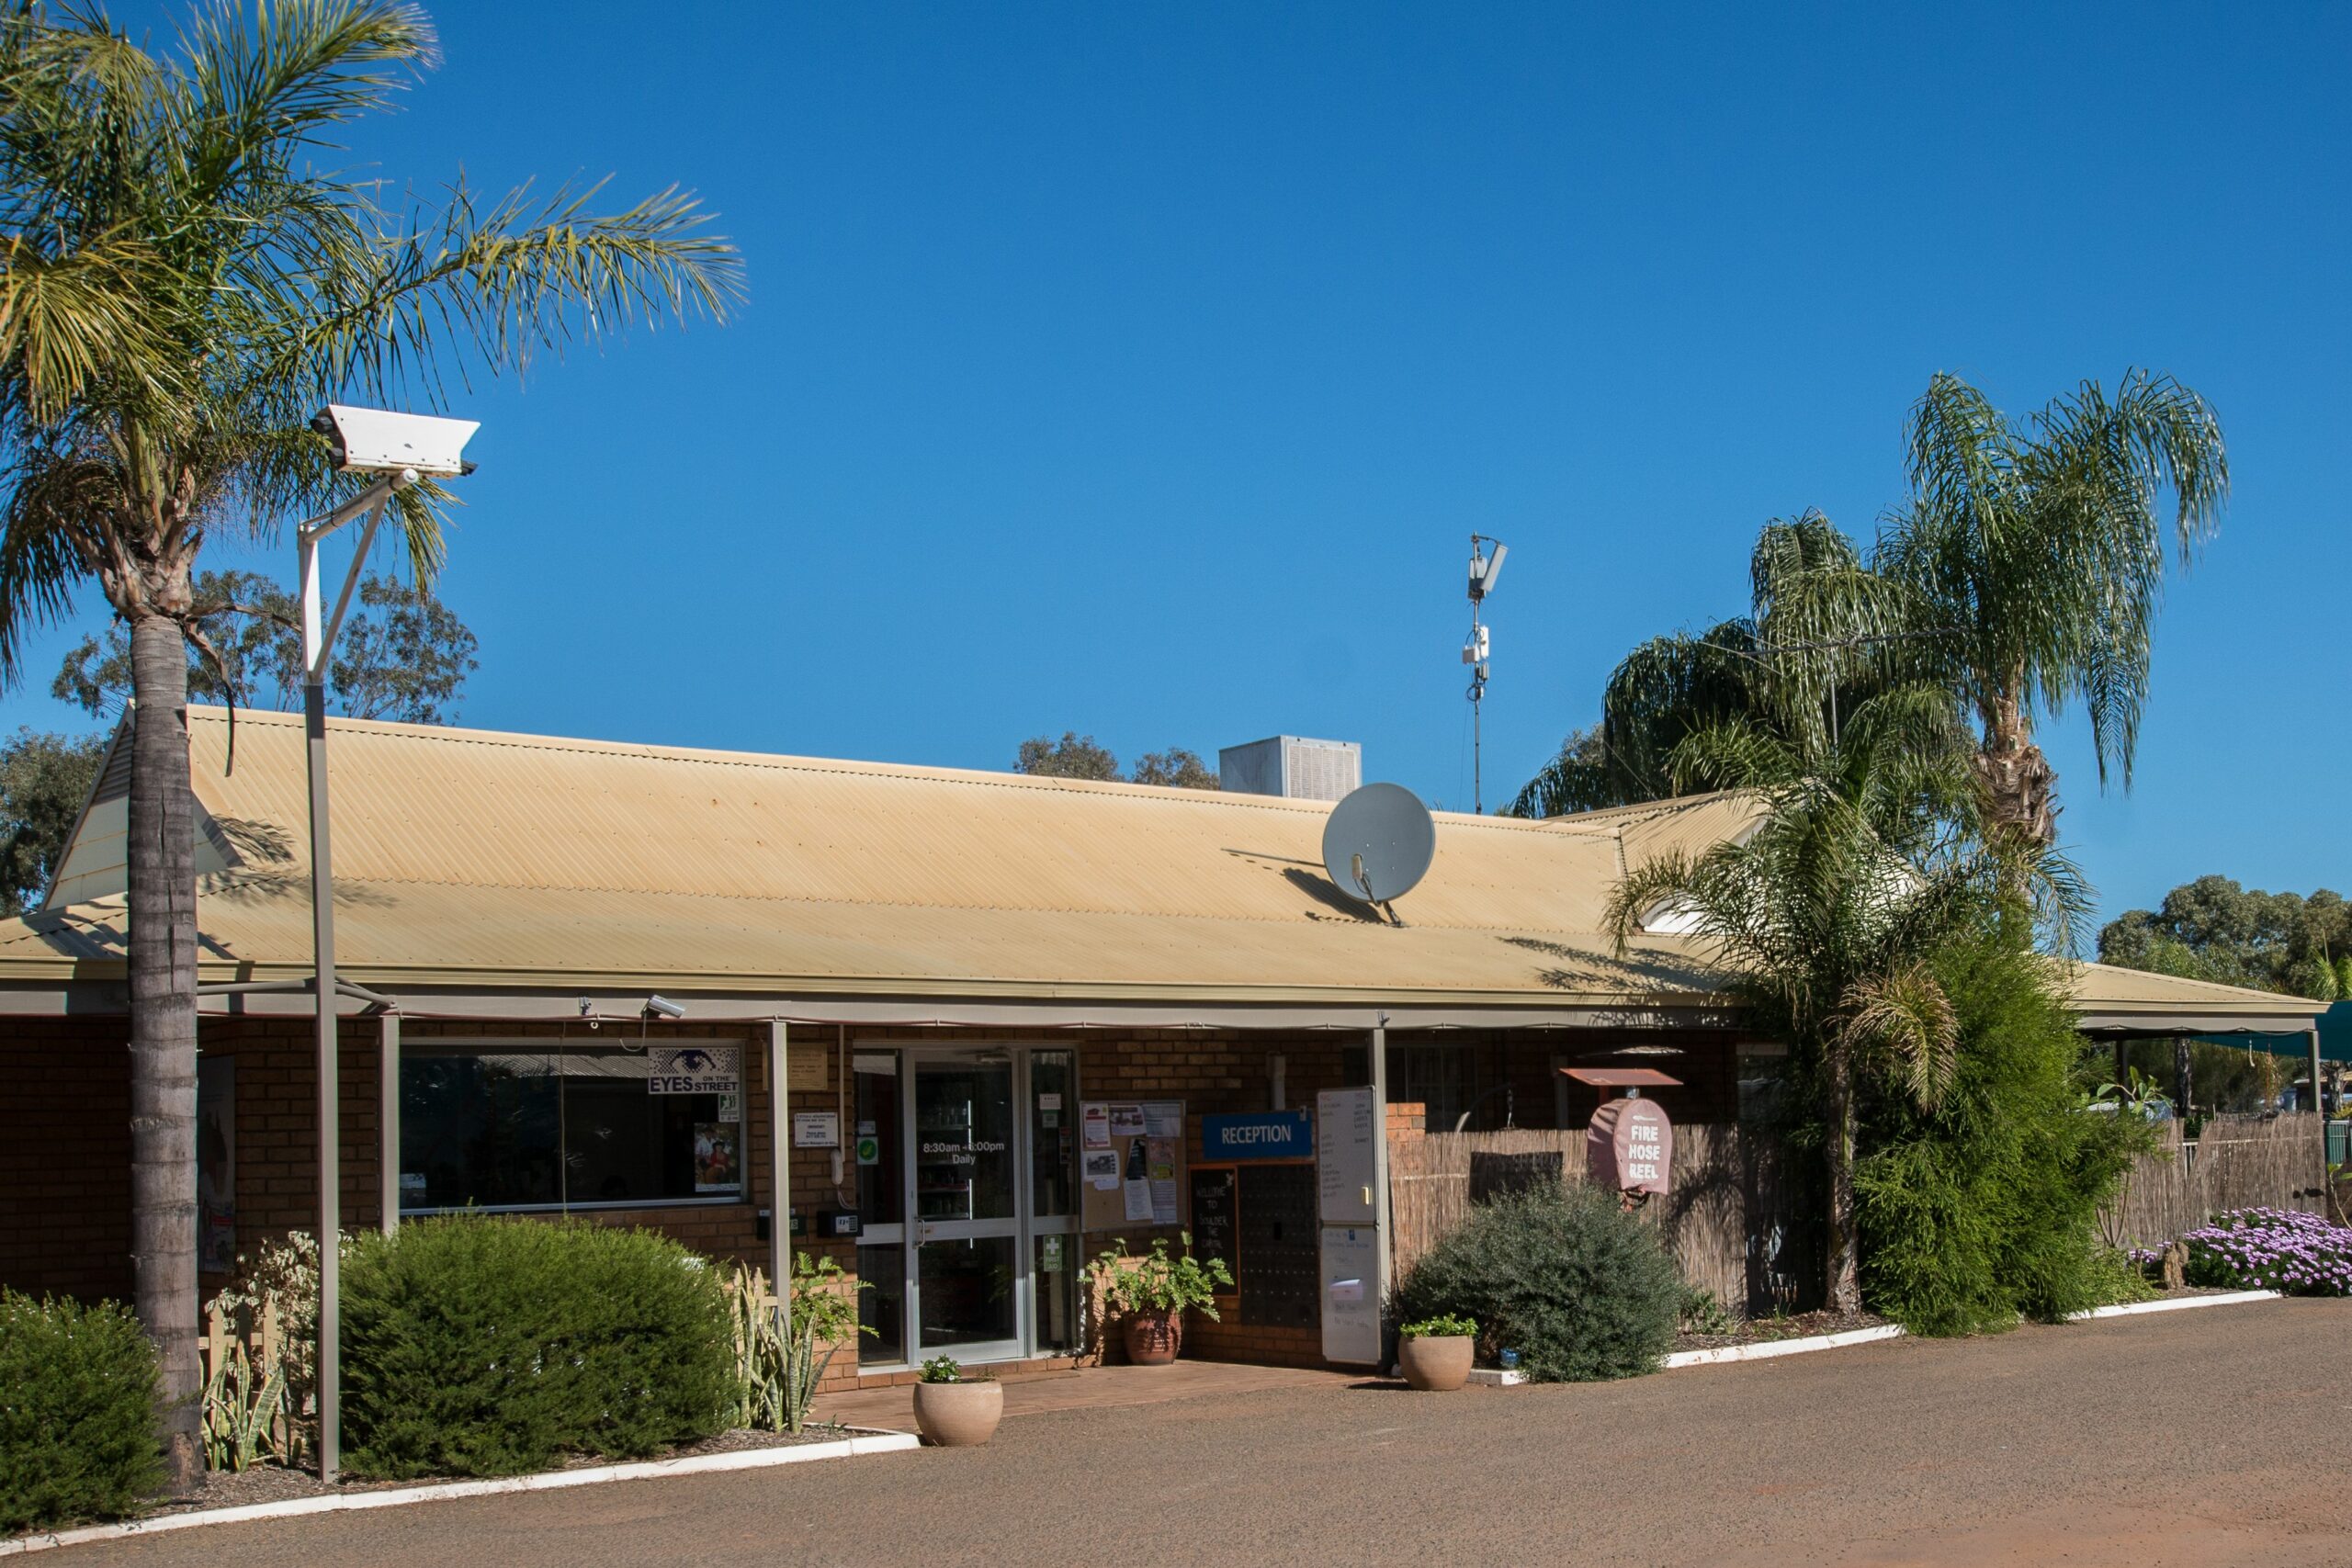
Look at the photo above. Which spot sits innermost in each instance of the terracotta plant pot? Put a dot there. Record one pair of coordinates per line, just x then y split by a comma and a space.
959, 1415
1153, 1337
1436, 1363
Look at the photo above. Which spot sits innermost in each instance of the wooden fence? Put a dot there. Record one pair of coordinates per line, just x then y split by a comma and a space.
1733, 1220
1730, 1221
2236, 1162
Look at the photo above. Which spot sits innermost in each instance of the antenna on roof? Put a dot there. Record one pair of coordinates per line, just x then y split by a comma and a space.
1484, 569
1378, 843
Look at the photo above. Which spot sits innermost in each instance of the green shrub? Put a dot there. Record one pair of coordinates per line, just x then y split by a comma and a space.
1986, 1210
77, 1412
485, 1347
1559, 1272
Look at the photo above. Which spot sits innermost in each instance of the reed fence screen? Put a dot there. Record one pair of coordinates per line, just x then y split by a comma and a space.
2235, 1162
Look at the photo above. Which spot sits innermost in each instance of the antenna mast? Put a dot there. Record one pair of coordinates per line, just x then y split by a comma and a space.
1485, 567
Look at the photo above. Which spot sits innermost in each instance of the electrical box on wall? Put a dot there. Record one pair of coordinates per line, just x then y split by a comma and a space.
840, 1223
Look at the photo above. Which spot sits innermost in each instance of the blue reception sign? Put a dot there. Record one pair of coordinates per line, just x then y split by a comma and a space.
1264, 1134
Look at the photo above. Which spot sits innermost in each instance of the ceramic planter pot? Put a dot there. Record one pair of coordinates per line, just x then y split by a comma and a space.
1153, 1336
959, 1415
1436, 1363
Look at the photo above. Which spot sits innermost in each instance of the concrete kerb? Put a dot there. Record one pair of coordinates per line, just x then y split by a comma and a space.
863, 1440
1491, 1377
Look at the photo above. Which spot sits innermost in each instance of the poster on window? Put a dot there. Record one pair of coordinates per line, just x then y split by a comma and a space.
717, 1157
694, 1069
216, 1164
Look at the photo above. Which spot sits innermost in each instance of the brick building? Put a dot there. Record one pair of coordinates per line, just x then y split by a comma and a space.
1010, 1015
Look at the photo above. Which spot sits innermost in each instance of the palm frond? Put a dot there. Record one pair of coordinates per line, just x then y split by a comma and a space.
1904, 1018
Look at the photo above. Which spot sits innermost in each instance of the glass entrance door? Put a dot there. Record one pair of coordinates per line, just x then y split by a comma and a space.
965, 1163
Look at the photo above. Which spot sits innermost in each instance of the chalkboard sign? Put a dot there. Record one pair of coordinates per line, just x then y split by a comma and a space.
1213, 1218
1278, 1269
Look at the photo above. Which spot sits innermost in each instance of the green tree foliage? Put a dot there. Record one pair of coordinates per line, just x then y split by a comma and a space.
2022, 574
1985, 1208
1175, 768
476, 1346
185, 279
1873, 855
1559, 1272
77, 1412
1076, 756
402, 653
2036, 552
2212, 929
45, 778
1822, 635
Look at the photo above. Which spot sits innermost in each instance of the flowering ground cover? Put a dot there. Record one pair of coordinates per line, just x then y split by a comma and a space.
2272, 1249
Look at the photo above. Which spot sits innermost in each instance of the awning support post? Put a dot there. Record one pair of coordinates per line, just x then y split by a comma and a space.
388, 1120
2319, 1114
1381, 1252
779, 1176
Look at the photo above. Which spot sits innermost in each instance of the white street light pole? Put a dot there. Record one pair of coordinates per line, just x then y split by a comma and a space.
400, 447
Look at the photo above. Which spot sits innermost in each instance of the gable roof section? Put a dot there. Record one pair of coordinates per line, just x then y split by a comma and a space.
480, 858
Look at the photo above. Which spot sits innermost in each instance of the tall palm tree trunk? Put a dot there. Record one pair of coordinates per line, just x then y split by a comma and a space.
1844, 1287
163, 1029
2015, 776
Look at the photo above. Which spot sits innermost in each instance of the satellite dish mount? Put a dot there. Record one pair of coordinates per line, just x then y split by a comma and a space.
1377, 845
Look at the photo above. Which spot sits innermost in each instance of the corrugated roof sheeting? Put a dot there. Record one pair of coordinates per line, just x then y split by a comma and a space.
475, 856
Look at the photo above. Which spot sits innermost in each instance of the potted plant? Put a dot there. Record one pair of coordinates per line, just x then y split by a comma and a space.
1435, 1352
954, 1411
1150, 1294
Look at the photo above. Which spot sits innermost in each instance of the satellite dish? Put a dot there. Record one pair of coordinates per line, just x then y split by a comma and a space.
1378, 842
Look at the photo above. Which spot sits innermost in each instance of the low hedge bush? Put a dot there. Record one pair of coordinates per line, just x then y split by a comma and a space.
77, 1412
475, 1346
1582, 1290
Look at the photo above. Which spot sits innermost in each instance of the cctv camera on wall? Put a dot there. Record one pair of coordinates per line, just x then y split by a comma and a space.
377, 441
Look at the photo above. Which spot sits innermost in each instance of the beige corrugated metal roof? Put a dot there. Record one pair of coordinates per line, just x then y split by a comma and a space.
470, 856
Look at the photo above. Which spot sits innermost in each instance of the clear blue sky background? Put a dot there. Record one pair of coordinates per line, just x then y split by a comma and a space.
1142, 369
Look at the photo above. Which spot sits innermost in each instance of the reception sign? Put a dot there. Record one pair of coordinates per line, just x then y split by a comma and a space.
1264, 1134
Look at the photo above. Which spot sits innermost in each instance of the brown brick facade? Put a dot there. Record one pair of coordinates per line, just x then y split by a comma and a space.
65, 1144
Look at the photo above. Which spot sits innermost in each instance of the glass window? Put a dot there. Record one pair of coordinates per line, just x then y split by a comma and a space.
880, 1178
882, 1305
530, 1126
1053, 1133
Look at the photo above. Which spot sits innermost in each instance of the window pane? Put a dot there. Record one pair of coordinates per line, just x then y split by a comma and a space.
882, 1307
1055, 1301
1053, 1132
479, 1128
879, 1179
623, 1144
964, 1133
967, 1291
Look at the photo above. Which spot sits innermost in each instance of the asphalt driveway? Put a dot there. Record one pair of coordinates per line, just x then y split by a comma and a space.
2220, 1437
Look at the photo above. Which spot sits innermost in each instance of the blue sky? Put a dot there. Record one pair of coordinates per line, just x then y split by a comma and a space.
1143, 370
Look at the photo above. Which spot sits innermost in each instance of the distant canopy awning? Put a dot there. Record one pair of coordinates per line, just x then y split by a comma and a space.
2334, 1038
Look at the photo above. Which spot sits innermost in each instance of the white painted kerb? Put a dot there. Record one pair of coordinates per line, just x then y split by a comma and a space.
1765, 1348
647, 1470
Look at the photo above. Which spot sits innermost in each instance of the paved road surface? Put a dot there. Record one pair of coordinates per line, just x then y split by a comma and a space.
2204, 1438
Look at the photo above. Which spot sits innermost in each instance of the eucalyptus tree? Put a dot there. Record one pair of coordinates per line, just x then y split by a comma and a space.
182, 283
1822, 632
2038, 555
1872, 854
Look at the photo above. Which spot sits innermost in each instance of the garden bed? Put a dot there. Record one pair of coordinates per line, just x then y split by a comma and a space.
1765, 1330
276, 1484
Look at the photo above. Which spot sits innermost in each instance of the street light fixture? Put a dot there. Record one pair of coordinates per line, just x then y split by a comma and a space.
401, 448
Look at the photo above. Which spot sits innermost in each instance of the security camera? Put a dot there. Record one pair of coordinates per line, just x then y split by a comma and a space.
664, 1007
377, 441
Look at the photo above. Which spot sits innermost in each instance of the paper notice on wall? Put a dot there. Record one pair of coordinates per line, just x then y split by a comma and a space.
1163, 1119
1138, 1194
1163, 1204
1127, 1121
1096, 1122
717, 1157
1103, 1170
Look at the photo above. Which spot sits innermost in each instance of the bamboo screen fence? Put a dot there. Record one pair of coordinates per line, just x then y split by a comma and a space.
1733, 1220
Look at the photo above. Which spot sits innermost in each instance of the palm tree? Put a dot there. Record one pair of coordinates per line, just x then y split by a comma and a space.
1822, 631
1872, 857
2038, 556
181, 287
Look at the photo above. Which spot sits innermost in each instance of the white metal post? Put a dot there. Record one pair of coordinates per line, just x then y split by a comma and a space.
1381, 1251
780, 1171
388, 1120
